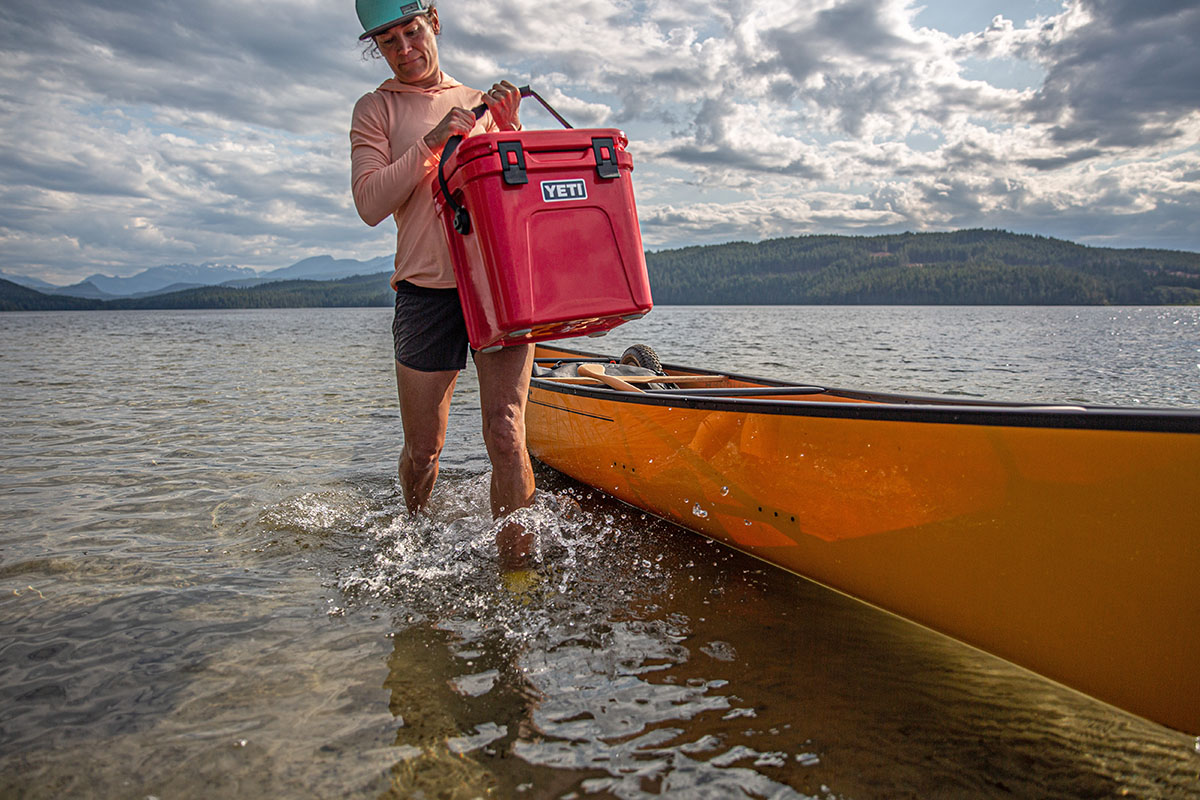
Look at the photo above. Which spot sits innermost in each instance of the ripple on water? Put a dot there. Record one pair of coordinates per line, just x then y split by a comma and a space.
210, 586
571, 671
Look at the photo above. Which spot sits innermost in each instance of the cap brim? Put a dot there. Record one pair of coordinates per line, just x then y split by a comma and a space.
381, 28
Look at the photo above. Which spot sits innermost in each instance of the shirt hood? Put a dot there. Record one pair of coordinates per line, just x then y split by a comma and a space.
393, 85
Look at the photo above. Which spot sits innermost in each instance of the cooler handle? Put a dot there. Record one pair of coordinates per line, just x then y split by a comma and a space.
526, 91
462, 220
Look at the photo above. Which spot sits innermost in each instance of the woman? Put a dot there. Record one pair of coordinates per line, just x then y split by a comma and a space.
396, 137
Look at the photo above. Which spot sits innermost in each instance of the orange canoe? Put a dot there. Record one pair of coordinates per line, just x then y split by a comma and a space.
1065, 539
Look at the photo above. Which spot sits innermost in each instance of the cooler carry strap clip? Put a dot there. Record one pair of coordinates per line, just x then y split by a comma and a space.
514, 173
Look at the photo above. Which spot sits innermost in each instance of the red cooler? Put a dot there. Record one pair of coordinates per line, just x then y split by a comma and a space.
543, 234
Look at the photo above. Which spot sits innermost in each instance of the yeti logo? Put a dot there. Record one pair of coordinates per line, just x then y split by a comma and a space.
557, 191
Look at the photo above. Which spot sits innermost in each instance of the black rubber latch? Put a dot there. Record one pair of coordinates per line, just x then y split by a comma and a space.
462, 221
606, 157
512, 160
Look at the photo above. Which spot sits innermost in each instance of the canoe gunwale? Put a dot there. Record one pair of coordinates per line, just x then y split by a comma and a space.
887, 407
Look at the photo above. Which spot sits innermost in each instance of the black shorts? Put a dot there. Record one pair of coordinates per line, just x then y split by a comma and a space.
428, 330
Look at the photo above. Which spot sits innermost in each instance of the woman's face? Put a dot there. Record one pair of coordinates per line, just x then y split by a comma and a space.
411, 50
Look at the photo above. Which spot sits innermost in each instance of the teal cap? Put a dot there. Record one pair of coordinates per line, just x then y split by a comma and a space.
377, 16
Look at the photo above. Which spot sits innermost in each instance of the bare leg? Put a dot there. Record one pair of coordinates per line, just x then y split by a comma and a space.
503, 392
424, 411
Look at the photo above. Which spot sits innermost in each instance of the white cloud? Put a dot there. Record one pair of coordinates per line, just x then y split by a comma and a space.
135, 133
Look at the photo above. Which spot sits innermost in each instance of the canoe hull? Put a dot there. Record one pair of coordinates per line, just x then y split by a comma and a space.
1072, 552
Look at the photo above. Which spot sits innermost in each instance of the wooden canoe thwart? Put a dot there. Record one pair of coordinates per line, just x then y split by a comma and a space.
1065, 539
694, 380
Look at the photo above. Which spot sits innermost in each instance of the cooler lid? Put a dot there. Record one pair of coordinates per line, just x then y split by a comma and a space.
485, 144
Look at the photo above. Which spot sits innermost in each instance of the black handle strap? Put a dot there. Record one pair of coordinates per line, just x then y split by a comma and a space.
462, 220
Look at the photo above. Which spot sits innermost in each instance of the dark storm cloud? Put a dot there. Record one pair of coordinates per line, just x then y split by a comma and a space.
262, 63
1127, 78
850, 99
1171, 224
810, 46
730, 159
1063, 160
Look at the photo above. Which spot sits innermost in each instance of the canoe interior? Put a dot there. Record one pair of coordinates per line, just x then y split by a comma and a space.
730, 391
1062, 538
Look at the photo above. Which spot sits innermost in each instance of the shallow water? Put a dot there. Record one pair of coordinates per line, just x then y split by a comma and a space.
208, 585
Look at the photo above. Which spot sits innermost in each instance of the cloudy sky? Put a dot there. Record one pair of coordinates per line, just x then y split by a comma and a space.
140, 132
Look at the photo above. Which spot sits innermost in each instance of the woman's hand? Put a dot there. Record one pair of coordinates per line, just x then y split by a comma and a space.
457, 122
504, 101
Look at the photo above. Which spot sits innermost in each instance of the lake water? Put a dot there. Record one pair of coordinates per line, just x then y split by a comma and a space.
209, 587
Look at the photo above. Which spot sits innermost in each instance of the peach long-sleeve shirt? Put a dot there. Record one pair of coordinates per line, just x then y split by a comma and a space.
392, 171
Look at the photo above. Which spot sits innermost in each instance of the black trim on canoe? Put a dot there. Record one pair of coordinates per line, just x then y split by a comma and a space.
570, 410
889, 407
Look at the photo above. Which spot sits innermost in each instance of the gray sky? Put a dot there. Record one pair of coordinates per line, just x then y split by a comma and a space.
136, 132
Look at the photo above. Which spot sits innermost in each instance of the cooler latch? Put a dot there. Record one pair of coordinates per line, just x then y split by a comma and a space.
512, 161
606, 157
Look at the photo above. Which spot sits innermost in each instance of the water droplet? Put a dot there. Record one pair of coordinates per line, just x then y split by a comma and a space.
698, 511
724, 491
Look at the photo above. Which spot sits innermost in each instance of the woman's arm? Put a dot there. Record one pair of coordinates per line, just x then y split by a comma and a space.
380, 185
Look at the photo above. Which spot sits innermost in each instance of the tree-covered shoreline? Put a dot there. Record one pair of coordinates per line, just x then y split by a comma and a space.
971, 267
353, 292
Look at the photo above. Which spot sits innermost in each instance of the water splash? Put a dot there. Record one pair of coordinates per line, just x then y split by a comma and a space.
574, 668
443, 562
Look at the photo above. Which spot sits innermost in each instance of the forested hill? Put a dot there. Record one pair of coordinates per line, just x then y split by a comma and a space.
360, 290
974, 267
971, 267
14, 297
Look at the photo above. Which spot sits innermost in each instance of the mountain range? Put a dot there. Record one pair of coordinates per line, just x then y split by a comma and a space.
169, 278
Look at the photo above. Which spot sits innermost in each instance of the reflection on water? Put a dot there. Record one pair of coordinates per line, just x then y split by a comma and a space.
571, 674
645, 661
209, 588
589, 678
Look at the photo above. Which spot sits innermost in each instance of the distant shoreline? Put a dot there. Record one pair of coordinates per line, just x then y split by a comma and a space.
962, 268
